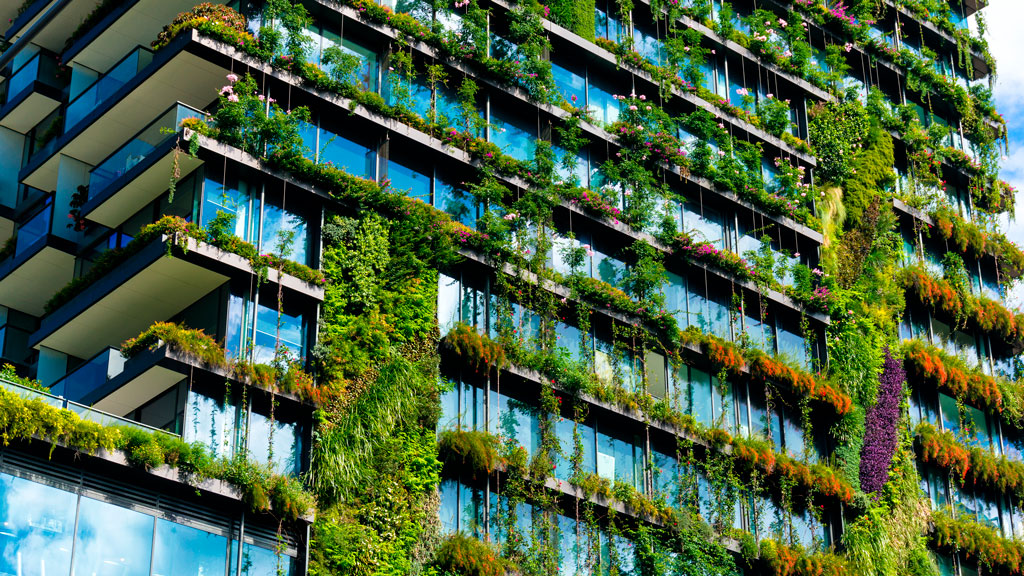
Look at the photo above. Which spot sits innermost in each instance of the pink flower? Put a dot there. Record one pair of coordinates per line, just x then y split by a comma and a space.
232, 78
233, 98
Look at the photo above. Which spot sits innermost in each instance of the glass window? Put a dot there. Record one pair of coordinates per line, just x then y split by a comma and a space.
618, 460
704, 224
460, 205
259, 561
37, 527
675, 298
572, 85
211, 422
447, 303
981, 430
950, 413
698, 398
412, 183
657, 381
112, 541
347, 155
274, 441
512, 135
239, 199
449, 507
600, 101
517, 420
791, 343
288, 324
566, 440
365, 74
283, 227
185, 551
572, 551
718, 314
665, 475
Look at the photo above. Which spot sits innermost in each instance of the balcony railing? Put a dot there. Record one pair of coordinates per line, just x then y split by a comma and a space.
89, 376
41, 67
106, 86
37, 227
83, 412
139, 147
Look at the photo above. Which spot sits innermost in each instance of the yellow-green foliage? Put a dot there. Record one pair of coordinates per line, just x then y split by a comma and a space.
474, 450
468, 556
27, 420
872, 173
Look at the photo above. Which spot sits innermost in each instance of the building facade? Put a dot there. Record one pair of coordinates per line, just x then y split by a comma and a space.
696, 287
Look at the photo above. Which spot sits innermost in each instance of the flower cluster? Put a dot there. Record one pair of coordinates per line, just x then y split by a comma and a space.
880, 424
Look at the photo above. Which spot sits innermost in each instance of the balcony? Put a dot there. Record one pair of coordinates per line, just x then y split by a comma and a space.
41, 263
106, 86
91, 374
137, 173
147, 375
105, 116
57, 20
132, 23
83, 412
32, 93
147, 287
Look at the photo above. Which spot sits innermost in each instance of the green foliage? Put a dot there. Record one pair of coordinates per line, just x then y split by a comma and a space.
388, 523
871, 173
473, 450
468, 556
195, 343
29, 419
837, 131
204, 13
578, 17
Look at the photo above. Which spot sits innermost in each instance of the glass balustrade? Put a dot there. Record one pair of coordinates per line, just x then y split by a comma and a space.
41, 67
83, 412
37, 227
90, 375
139, 147
106, 86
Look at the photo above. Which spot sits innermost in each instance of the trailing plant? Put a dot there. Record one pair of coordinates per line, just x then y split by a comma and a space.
195, 343
474, 450
479, 349
970, 465
935, 367
468, 556
978, 543
943, 296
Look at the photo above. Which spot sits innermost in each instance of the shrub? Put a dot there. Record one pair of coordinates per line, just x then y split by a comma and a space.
220, 14
468, 556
